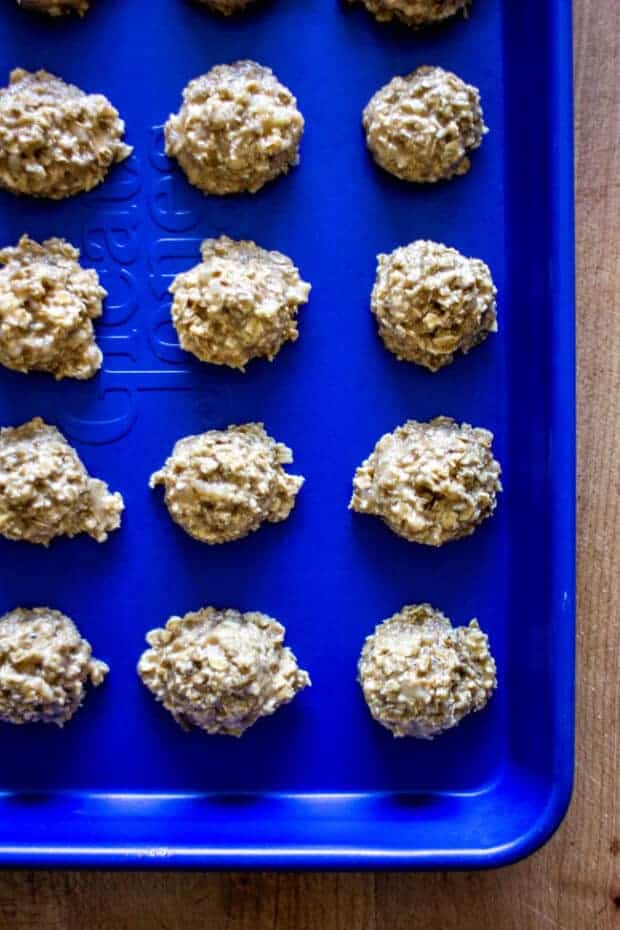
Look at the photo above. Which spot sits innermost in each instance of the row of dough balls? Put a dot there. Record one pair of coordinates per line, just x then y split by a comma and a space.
414, 13
237, 129
221, 670
239, 303
430, 482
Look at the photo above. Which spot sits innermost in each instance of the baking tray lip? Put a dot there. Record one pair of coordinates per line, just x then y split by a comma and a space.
314, 856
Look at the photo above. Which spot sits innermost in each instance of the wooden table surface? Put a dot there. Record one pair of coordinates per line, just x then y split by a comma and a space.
574, 882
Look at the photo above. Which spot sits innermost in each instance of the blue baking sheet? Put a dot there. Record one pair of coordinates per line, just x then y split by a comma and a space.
319, 784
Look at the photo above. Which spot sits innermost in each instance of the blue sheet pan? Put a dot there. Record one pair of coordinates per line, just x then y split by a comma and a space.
319, 784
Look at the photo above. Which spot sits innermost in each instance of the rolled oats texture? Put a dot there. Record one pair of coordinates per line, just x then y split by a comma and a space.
420, 675
414, 13
241, 302
56, 140
55, 7
226, 7
220, 670
421, 127
221, 485
237, 129
45, 490
431, 482
431, 302
47, 306
45, 665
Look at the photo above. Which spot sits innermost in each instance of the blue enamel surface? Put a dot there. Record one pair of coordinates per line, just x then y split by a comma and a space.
318, 784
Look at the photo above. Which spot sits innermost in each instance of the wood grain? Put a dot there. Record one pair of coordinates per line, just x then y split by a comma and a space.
572, 884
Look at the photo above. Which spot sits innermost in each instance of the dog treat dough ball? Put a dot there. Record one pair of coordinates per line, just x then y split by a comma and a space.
420, 127
430, 302
237, 129
226, 7
220, 670
430, 482
221, 485
45, 491
240, 303
55, 7
44, 667
420, 675
414, 13
55, 140
47, 307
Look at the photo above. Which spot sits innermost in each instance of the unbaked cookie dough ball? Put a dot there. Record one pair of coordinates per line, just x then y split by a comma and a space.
237, 129
45, 490
420, 127
55, 140
420, 675
45, 666
220, 670
226, 7
430, 482
222, 485
239, 303
55, 7
430, 302
414, 13
47, 306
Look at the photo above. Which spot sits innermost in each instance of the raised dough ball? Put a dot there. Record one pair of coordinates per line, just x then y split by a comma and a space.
226, 7
55, 140
420, 127
47, 305
430, 482
240, 303
44, 667
414, 13
55, 7
220, 670
237, 129
221, 485
420, 675
45, 491
430, 302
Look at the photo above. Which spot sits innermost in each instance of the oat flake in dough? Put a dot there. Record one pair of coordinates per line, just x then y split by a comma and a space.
56, 140
239, 303
223, 484
45, 490
422, 126
226, 7
420, 675
55, 7
47, 305
414, 13
220, 670
430, 302
430, 482
237, 129
45, 666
